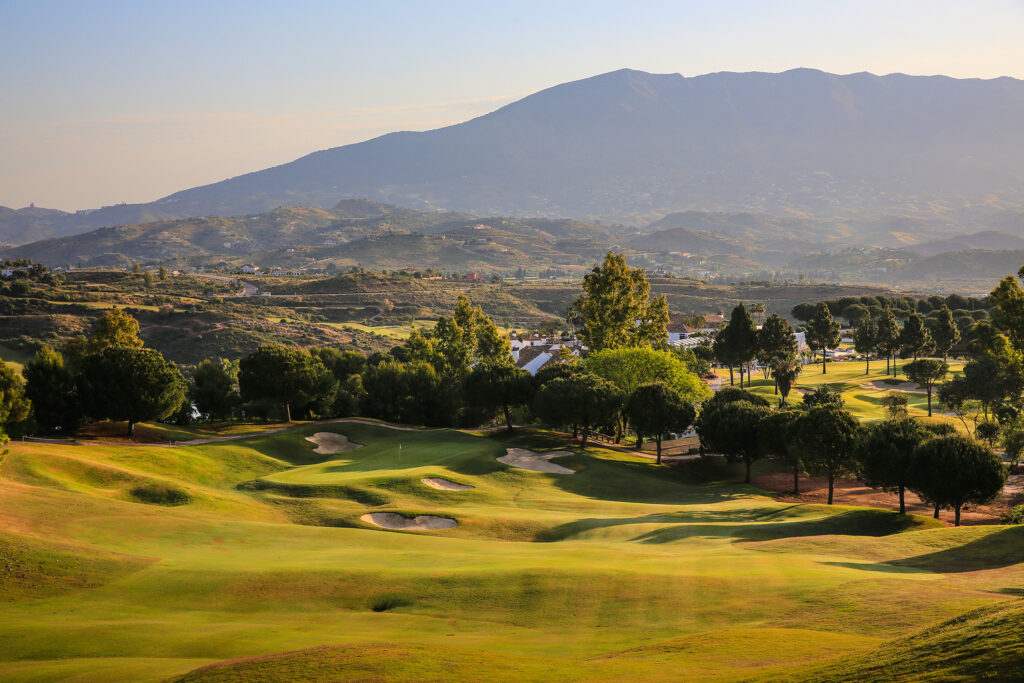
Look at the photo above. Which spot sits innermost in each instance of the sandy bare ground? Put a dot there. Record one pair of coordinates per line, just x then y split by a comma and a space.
884, 386
851, 492
393, 520
445, 484
329, 443
537, 462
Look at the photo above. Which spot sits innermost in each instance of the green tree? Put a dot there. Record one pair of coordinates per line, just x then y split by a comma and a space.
655, 409
1013, 441
895, 404
290, 377
954, 471
615, 309
946, 334
499, 387
856, 314
136, 268
14, 406
926, 372
865, 340
147, 279
823, 396
731, 429
887, 338
629, 369
736, 343
582, 400
822, 332
775, 439
114, 329
803, 312
886, 452
785, 370
51, 387
342, 364
130, 384
162, 273
775, 340
914, 337
213, 388
825, 437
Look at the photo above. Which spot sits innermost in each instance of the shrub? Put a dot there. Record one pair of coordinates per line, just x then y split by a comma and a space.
1014, 516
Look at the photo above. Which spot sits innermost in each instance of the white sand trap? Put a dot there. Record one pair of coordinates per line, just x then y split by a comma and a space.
393, 520
537, 462
446, 484
329, 443
882, 384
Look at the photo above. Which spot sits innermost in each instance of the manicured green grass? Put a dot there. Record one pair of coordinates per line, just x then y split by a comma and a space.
862, 392
262, 568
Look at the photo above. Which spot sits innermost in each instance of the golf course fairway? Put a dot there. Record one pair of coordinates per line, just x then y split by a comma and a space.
249, 560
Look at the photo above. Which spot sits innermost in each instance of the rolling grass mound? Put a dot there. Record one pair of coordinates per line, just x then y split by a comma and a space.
621, 571
985, 644
33, 569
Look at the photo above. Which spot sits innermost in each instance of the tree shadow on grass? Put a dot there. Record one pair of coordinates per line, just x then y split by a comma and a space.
749, 524
993, 551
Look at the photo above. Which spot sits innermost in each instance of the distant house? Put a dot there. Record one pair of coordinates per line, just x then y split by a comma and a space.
677, 329
249, 269
472, 277
7, 273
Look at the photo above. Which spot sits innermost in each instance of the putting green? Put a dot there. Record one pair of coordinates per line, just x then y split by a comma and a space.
248, 560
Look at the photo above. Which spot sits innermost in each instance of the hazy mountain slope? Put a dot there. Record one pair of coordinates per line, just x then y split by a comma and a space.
987, 239
628, 141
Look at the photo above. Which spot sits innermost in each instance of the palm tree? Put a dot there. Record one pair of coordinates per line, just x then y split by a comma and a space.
785, 370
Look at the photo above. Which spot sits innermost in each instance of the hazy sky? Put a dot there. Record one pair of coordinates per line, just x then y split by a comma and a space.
104, 102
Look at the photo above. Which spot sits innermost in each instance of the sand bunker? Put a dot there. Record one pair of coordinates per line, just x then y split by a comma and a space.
329, 443
538, 462
393, 520
882, 384
445, 484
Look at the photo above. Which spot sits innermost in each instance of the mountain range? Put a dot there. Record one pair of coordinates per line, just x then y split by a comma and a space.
632, 147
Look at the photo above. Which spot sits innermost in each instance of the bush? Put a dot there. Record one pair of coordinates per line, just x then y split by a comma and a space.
1014, 516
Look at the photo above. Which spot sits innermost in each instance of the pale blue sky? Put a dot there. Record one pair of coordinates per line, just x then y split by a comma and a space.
104, 102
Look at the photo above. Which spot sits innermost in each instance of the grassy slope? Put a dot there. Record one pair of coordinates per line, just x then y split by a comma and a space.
622, 570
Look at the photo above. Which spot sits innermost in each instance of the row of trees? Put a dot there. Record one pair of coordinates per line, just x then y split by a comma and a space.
820, 438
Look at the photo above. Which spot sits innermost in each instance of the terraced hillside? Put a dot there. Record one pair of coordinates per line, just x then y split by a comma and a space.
264, 558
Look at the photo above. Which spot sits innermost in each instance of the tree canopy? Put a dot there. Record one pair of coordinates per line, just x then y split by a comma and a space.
290, 377
655, 409
954, 471
616, 310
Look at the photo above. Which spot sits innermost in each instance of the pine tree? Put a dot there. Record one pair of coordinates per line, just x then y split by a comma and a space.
822, 332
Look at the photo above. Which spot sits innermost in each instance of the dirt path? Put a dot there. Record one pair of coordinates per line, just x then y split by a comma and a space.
248, 289
851, 492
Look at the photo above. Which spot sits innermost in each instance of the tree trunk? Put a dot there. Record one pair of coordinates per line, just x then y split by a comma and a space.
956, 516
887, 365
746, 479
586, 432
831, 487
936, 515
776, 387
575, 431
508, 417
823, 359
867, 365
796, 478
741, 375
929, 401
288, 412
903, 502
658, 441
639, 441
731, 380
131, 429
